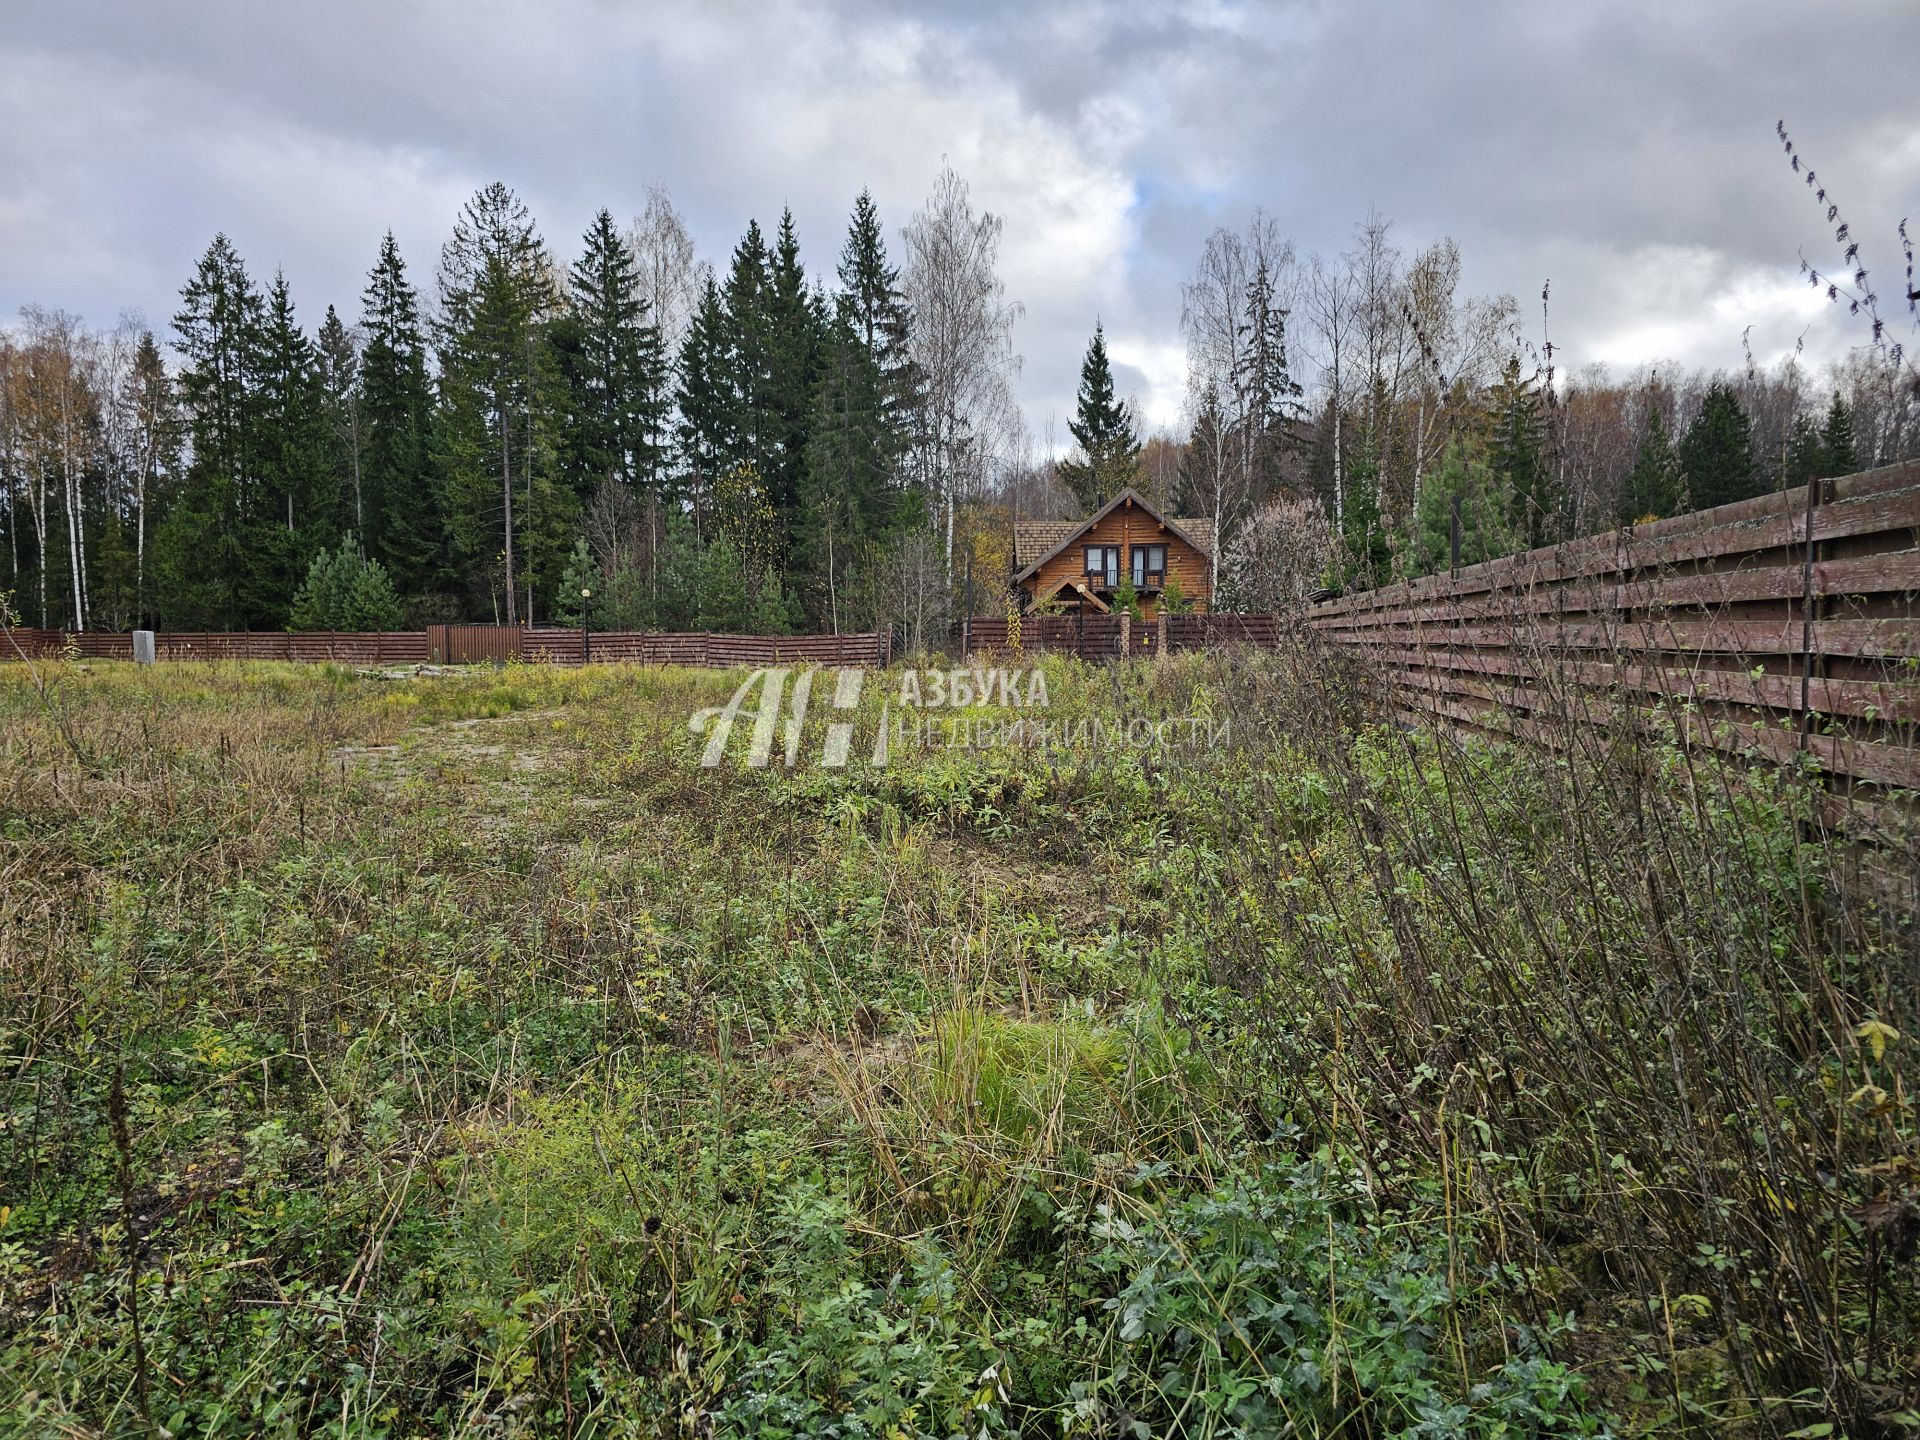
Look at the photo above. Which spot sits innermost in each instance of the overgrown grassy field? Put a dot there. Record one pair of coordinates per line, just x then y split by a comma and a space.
455, 1055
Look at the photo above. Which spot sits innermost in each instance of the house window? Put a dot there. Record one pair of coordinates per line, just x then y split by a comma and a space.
1149, 565
1103, 566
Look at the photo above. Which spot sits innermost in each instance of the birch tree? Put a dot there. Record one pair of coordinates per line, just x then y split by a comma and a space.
1330, 308
671, 275
961, 342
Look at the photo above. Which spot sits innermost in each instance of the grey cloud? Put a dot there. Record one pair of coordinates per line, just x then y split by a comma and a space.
1624, 148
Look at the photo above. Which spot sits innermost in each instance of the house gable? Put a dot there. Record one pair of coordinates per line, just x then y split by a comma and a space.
1050, 556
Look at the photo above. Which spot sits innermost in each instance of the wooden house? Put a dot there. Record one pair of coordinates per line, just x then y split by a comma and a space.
1079, 564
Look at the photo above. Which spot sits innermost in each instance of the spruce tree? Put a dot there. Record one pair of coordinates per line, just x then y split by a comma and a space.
1366, 556
1205, 459
1268, 394
501, 402
1840, 454
795, 334
400, 509
1806, 453
202, 550
337, 353
1716, 453
151, 400
1516, 455
1103, 427
746, 359
299, 487
1653, 486
847, 498
702, 403
619, 371
877, 310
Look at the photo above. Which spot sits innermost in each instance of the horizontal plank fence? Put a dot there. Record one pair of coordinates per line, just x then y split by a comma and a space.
643, 647
1108, 637
1209, 632
473, 644
402, 647
1093, 637
1773, 626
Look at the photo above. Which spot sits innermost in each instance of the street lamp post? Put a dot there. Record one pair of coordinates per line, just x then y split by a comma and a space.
586, 635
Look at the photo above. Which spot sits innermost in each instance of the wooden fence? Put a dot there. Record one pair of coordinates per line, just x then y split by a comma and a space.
645, 647
405, 647
1108, 637
1773, 626
468, 644
1784, 624
1092, 637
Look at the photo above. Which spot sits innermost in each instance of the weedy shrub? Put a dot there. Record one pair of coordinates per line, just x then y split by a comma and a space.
1606, 988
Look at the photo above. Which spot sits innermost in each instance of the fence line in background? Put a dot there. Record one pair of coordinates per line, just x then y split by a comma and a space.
468, 644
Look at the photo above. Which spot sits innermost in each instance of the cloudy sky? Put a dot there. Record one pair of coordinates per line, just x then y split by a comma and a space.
1622, 149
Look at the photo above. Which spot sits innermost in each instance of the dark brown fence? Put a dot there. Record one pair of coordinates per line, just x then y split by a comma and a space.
468, 644
407, 647
1208, 632
1775, 625
644, 647
1093, 637
473, 644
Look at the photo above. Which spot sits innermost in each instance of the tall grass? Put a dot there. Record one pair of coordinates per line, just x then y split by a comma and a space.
459, 1057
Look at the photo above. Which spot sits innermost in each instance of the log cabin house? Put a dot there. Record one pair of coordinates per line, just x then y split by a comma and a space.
1079, 564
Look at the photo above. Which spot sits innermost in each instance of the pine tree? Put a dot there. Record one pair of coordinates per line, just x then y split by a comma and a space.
345, 591
1840, 454
401, 523
619, 374
1653, 486
201, 550
1269, 396
1464, 480
1716, 453
1516, 455
1104, 429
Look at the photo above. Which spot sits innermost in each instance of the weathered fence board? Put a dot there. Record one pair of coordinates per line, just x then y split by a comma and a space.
1778, 625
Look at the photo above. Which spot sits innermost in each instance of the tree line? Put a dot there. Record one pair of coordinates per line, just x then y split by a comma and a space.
635, 439
1341, 412
627, 435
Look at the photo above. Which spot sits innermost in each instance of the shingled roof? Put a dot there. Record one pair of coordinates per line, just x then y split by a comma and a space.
1038, 540
1034, 538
